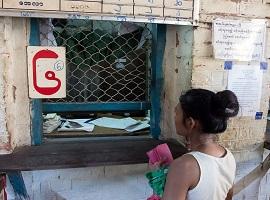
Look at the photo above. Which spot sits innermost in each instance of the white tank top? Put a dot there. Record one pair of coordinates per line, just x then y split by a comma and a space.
216, 176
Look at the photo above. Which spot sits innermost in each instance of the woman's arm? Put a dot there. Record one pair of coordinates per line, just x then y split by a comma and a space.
184, 173
230, 194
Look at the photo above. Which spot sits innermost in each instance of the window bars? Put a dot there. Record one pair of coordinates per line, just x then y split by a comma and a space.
106, 61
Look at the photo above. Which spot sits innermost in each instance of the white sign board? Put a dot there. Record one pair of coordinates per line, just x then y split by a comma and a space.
177, 12
47, 72
245, 80
31, 4
239, 40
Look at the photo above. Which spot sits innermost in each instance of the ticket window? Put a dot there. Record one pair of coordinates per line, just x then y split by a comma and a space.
108, 78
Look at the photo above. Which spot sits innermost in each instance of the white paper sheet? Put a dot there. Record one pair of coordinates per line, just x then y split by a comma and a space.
137, 127
77, 125
51, 122
80, 121
239, 40
245, 80
50, 116
114, 123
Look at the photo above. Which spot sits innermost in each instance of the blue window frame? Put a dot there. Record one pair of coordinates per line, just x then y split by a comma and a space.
158, 46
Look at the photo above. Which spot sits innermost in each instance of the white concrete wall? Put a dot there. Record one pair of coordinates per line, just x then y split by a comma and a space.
4, 55
14, 101
244, 135
177, 68
92, 183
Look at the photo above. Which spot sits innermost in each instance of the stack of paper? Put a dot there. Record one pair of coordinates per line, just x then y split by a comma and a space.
51, 122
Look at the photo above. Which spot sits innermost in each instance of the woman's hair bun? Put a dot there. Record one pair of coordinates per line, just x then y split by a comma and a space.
225, 104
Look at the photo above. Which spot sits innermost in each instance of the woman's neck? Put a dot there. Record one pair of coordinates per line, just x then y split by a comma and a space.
199, 140
206, 143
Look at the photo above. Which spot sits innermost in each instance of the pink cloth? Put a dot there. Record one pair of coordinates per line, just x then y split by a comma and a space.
160, 155
154, 197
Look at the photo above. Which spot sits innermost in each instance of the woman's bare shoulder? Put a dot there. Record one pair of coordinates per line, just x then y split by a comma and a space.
185, 168
185, 161
183, 175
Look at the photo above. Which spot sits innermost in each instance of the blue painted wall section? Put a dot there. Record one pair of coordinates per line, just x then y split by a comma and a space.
36, 104
95, 107
158, 48
17, 182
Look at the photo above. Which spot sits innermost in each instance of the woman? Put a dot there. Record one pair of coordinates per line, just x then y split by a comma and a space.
208, 171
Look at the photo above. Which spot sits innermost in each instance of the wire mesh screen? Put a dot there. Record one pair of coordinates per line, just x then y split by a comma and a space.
106, 61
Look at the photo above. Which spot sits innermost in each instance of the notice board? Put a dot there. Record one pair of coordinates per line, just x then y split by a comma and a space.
182, 12
241, 40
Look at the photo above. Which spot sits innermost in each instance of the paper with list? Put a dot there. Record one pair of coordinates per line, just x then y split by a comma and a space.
239, 40
245, 80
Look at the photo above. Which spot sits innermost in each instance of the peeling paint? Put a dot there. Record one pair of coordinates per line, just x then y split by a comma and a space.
5, 148
177, 40
14, 93
225, 14
177, 75
208, 43
236, 1
14, 115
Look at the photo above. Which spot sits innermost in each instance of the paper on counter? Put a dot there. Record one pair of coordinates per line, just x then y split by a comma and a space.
137, 127
140, 126
114, 123
50, 116
51, 122
77, 125
80, 121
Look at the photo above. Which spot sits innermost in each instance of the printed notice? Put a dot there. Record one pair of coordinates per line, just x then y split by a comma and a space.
32, 4
246, 82
239, 40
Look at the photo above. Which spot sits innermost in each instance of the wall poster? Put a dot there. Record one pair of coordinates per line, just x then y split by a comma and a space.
239, 40
245, 80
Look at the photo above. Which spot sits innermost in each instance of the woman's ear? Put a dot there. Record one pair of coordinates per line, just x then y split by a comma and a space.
190, 123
